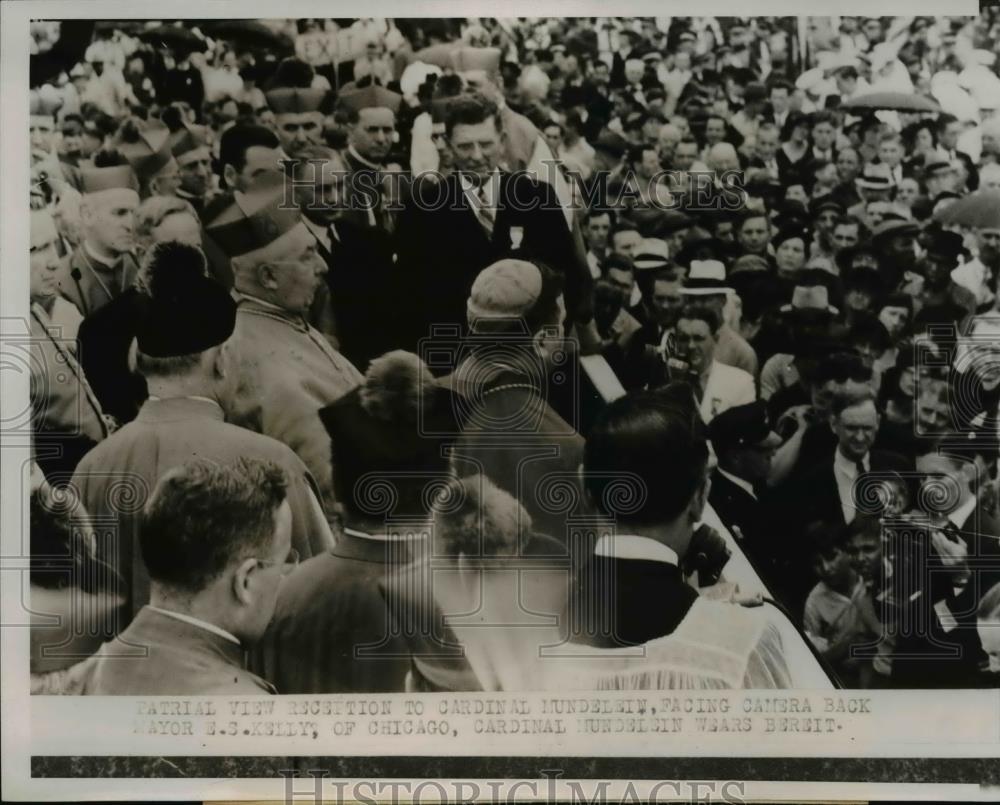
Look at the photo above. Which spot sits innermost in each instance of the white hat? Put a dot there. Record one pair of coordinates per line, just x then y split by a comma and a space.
706, 278
652, 253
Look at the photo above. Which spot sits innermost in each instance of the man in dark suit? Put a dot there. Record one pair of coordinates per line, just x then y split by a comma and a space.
836, 491
744, 445
332, 631
217, 541
358, 256
479, 214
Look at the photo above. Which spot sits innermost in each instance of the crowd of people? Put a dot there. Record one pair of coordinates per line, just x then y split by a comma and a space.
373, 355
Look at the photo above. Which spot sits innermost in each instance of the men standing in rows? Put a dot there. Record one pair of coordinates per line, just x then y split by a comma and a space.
287, 370
102, 267
189, 368
66, 416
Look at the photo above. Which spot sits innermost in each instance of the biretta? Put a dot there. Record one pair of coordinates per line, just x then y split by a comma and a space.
295, 100
254, 220
370, 97
188, 138
150, 152
94, 180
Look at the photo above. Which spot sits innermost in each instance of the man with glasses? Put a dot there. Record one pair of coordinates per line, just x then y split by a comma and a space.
189, 367
216, 538
286, 368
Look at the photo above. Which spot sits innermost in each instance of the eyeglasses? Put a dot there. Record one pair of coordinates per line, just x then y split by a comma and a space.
287, 566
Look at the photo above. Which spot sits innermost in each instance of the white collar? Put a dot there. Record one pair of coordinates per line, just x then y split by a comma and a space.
469, 187
398, 536
848, 467
154, 398
629, 546
963, 512
321, 233
746, 486
211, 627
94, 256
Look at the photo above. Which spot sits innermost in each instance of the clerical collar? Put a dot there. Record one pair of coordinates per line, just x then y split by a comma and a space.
630, 546
99, 260
209, 627
366, 162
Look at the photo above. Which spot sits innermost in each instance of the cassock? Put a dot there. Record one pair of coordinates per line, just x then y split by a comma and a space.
89, 283
287, 372
67, 419
447, 237
164, 654
115, 481
331, 631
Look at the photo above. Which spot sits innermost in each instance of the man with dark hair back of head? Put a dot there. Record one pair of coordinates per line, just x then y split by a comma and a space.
632, 586
189, 371
216, 538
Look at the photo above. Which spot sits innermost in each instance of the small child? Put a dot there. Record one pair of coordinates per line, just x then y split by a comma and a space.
839, 612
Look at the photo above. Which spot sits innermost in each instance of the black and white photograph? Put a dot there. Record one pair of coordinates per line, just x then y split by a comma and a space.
478, 378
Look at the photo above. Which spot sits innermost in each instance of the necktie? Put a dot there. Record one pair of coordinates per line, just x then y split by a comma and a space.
487, 216
860, 469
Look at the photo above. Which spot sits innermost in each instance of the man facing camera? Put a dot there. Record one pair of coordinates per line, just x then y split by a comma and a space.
217, 541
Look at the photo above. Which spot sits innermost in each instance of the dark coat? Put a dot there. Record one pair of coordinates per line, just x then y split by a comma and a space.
442, 247
629, 601
330, 608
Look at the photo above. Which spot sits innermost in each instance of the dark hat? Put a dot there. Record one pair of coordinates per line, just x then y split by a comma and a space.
611, 142
891, 228
867, 279
185, 312
371, 97
936, 167
391, 431
148, 152
845, 257
826, 203
254, 220
188, 138
742, 426
93, 180
943, 243
755, 91
295, 100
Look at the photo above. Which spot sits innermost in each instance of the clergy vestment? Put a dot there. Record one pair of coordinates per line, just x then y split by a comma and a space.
115, 479
287, 372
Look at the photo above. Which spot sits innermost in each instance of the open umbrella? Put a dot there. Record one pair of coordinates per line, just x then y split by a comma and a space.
976, 211
175, 37
438, 55
250, 34
898, 101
